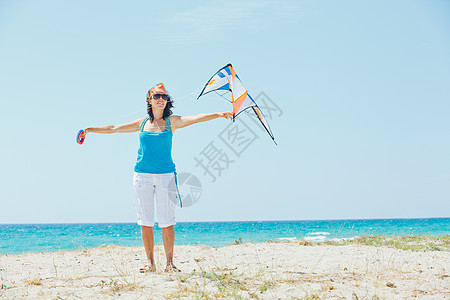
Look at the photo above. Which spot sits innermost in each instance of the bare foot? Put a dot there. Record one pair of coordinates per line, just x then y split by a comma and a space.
148, 269
172, 268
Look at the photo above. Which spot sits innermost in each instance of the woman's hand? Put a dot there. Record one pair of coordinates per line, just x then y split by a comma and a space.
227, 115
83, 133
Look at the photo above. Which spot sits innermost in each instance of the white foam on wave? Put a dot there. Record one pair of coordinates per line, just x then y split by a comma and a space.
319, 233
317, 239
287, 239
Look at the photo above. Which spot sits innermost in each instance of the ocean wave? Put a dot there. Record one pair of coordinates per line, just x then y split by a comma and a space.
287, 239
319, 233
317, 239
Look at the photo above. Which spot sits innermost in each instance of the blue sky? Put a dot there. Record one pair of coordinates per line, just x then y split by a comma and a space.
362, 87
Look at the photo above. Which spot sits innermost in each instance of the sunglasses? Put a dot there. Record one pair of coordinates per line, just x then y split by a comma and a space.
165, 97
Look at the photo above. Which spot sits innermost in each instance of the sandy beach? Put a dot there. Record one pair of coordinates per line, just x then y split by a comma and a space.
271, 270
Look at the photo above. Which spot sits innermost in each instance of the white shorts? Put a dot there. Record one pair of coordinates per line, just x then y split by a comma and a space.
163, 186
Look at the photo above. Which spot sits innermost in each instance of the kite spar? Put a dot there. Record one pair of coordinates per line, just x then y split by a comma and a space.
226, 79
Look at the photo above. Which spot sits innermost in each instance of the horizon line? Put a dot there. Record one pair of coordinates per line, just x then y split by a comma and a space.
234, 221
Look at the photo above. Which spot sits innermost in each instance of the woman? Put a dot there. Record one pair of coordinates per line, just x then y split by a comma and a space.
154, 172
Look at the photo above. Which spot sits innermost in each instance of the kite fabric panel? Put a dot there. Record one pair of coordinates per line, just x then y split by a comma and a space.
226, 79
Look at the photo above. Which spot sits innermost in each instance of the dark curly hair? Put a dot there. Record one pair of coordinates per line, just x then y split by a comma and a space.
167, 110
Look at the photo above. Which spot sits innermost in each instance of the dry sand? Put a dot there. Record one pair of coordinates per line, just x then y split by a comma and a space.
283, 270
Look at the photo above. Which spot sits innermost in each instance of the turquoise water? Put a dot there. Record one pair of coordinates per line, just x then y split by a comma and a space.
19, 238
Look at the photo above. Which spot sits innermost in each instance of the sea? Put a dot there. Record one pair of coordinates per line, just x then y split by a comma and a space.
24, 238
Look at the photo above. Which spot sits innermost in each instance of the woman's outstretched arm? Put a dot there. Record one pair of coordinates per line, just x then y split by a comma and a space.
129, 127
180, 122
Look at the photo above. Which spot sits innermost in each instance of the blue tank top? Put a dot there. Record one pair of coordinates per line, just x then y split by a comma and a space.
155, 151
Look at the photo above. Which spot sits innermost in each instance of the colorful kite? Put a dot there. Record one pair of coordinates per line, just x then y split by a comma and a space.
226, 79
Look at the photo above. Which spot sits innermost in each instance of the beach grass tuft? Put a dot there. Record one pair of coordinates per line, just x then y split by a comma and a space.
312, 296
327, 286
115, 286
405, 242
35, 281
266, 285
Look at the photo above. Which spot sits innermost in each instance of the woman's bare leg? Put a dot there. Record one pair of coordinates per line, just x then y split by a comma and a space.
168, 235
147, 239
